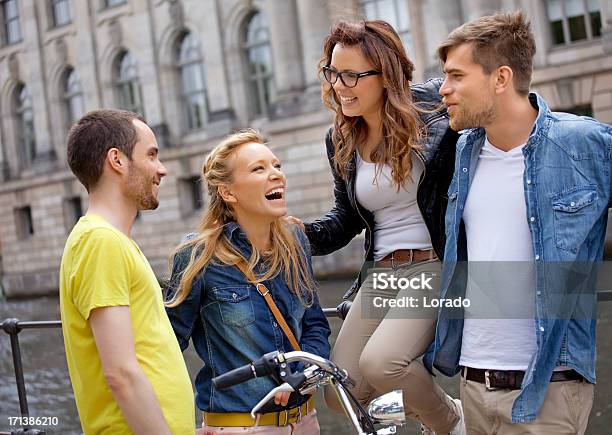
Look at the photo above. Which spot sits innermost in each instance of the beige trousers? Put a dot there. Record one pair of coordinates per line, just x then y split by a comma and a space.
309, 425
565, 410
380, 347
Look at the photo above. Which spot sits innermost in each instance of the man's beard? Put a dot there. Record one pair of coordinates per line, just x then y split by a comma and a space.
140, 190
469, 119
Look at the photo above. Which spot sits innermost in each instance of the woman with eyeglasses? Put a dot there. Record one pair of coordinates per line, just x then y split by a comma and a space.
392, 156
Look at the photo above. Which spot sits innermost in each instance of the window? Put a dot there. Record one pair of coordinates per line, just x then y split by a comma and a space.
190, 195
61, 12
128, 84
111, 3
193, 86
395, 12
74, 105
10, 21
24, 116
73, 210
258, 57
573, 20
23, 222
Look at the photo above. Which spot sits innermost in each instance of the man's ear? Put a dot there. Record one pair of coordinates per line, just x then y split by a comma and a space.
503, 76
117, 160
226, 194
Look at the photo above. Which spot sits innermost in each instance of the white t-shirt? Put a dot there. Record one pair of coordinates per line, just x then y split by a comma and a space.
398, 223
499, 329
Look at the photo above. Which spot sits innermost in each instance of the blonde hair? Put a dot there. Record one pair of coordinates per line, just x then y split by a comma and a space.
286, 255
401, 124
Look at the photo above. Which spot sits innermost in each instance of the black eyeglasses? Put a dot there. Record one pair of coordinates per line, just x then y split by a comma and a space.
348, 78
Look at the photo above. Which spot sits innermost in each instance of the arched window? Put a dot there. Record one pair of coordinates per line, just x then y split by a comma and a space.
24, 116
74, 104
258, 58
128, 84
395, 12
193, 84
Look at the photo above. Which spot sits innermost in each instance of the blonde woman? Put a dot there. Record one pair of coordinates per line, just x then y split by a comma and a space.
213, 303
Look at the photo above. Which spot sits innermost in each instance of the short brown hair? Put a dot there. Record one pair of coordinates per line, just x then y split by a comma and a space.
93, 135
499, 39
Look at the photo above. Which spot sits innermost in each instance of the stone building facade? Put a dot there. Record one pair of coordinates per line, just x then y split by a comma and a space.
199, 69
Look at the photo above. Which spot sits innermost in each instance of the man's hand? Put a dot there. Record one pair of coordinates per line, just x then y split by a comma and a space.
112, 331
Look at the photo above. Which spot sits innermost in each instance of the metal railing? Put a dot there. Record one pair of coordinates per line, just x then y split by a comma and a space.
14, 326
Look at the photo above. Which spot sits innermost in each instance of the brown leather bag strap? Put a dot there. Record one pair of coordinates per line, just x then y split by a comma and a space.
263, 290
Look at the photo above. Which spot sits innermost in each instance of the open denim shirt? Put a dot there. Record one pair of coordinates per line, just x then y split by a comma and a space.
231, 325
567, 182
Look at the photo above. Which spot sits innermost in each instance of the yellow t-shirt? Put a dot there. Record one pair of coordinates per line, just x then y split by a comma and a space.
103, 267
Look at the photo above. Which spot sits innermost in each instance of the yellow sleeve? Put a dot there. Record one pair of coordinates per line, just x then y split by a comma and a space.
101, 272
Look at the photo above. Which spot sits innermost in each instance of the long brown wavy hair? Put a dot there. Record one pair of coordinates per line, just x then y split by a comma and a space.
286, 255
402, 128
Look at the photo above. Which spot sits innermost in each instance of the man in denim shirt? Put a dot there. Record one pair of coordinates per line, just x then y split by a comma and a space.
531, 187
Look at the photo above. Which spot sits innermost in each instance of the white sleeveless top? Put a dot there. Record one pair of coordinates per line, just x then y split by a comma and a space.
398, 223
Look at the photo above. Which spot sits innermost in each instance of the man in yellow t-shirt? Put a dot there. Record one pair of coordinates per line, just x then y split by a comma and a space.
126, 368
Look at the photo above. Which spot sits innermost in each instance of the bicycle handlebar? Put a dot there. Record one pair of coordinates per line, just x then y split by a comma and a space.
267, 364
234, 377
263, 366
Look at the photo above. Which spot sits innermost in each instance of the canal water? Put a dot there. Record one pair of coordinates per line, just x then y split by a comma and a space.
50, 393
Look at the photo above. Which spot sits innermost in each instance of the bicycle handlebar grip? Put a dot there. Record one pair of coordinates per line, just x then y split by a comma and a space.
234, 377
343, 309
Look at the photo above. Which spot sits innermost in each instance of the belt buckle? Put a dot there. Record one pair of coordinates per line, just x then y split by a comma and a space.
258, 287
487, 381
404, 262
290, 418
286, 414
297, 415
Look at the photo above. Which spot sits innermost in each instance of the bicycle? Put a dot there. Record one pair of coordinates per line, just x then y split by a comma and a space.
386, 410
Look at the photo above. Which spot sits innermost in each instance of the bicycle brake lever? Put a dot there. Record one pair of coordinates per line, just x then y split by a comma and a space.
347, 380
281, 388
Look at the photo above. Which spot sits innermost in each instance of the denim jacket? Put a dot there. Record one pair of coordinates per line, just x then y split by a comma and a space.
567, 182
231, 325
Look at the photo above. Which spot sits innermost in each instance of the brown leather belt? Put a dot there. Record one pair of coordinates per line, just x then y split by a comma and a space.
511, 379
402, 256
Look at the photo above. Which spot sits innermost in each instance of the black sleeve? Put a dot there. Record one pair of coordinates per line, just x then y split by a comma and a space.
337, 227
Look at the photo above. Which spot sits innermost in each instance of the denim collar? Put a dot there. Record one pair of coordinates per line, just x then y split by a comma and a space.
235, 233
541, 126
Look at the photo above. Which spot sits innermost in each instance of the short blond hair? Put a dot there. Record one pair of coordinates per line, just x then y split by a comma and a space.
497, 40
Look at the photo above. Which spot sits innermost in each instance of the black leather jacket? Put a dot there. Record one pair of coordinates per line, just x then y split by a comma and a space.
348, 218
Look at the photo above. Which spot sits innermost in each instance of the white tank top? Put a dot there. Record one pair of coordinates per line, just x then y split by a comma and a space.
398, 223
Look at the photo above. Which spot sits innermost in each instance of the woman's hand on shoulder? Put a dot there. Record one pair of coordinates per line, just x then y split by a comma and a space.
295, 221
